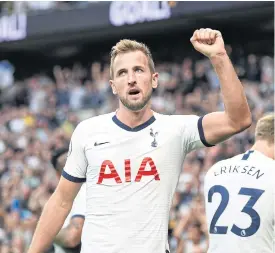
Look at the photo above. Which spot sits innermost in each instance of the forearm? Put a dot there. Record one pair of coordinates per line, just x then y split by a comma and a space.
180, 246
50, 222
236, 106
181, 226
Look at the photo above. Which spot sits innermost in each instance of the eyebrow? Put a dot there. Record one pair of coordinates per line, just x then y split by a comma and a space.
123, 69
138, 66
135, 67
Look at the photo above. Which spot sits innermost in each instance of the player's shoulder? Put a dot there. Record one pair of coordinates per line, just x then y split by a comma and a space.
249, 158
213, 167
256, 158
260, 155
96, 122
224, 162
177, 119
99, 119
263, 159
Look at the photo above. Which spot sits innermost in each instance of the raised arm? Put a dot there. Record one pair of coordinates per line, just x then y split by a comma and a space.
219, 126
54, 214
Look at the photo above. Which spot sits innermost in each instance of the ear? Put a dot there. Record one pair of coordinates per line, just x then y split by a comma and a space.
113, 87
155, 77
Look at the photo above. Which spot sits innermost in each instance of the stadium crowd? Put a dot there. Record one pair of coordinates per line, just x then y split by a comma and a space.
38, 115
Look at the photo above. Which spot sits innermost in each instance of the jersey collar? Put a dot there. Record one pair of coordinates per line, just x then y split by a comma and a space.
135, 129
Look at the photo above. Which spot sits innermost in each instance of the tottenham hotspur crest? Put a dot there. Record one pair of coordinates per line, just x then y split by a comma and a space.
154, 135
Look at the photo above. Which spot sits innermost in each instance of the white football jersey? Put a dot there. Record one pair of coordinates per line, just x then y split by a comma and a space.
131, 175
239, 198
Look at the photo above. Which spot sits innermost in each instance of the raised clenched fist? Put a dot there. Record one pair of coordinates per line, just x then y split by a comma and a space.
208, 42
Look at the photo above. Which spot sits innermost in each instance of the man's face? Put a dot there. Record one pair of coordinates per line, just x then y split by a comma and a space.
133, 81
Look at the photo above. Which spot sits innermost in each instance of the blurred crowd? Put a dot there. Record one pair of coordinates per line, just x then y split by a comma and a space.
38, 115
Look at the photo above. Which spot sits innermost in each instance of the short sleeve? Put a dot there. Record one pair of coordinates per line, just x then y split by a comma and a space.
76, 164
192, 132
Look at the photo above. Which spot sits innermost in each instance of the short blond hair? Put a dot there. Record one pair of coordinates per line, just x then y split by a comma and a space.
265, 128
125, 46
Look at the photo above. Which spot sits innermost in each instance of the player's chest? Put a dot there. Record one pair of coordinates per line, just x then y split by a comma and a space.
133, 156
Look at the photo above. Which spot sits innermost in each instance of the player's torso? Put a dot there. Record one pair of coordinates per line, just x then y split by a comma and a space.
131, 178
239, 197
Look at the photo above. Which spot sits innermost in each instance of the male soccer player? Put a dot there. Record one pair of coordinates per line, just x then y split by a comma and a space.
131, 159
68, 240
239, 197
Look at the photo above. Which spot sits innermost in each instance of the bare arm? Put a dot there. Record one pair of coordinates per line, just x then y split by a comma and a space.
54, 214
219, 126
180, 247
70, 236
183, 223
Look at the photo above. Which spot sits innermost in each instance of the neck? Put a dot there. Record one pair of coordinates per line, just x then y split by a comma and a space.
264, 147
134, 119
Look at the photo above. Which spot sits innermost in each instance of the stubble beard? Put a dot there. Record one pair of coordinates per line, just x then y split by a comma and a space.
136, 106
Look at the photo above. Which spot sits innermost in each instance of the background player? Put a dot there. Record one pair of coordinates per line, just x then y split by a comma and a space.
239, 197
132, 158
68, 240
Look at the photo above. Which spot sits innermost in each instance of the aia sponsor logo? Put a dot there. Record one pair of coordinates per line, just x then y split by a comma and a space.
109, 172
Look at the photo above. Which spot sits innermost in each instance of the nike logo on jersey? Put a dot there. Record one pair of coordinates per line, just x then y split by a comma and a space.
100, 143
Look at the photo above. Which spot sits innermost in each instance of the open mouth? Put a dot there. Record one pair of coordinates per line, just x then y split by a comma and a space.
134, 92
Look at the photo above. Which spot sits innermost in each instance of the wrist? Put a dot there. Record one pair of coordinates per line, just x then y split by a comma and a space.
218, 57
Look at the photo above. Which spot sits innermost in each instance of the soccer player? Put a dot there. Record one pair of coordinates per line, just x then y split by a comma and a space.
68, 240
239, 197
131, 159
